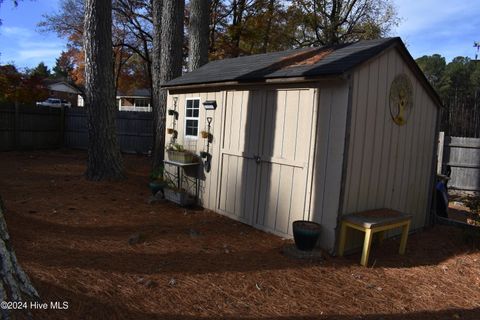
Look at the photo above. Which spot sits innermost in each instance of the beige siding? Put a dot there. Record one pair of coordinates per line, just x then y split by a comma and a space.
274, 124
388, 165
208, 181
327, 175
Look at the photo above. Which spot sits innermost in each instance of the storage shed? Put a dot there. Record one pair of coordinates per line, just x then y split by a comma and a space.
312, 134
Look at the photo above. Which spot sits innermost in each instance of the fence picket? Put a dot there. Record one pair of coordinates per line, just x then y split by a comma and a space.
463, 157
29, 128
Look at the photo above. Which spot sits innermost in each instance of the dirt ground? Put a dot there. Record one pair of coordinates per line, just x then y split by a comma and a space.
71, 236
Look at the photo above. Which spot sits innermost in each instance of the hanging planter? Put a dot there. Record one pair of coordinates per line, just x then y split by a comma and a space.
181, 156
172, 112
306, 234
204, 134
176, 152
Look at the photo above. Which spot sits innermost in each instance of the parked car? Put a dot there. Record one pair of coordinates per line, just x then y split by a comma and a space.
55, 103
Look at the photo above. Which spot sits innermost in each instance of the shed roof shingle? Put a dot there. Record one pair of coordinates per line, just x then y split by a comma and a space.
304, 62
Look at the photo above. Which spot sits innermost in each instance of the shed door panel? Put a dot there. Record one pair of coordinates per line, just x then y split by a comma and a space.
284, 159
240, 146
264, 157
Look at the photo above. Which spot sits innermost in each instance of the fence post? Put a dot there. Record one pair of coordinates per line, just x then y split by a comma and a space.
441, 143
16, 127
61, 138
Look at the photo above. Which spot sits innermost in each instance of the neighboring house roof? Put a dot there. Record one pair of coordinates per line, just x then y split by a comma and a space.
304, 62
135, 93
62, 86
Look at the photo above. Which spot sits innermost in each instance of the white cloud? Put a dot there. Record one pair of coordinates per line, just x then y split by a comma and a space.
40, 54
27, 47
15, 32
40, 44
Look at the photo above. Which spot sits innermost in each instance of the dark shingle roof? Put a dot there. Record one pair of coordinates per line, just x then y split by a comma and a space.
142, 92
305, 62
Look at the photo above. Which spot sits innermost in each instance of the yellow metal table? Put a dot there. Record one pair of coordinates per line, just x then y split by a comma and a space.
370, 222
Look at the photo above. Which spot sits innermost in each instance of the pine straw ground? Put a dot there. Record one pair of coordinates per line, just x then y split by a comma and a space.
71, 236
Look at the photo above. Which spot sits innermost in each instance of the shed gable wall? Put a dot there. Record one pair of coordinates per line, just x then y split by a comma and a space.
388, 165
329, 153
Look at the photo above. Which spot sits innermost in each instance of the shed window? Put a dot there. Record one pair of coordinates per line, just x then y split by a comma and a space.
191, 117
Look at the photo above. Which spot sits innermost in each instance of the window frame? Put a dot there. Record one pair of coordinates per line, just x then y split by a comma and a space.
187, 136
145, 105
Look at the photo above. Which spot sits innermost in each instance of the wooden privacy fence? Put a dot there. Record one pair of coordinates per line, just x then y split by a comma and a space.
134, 130
463, 157
25, 127
29, 128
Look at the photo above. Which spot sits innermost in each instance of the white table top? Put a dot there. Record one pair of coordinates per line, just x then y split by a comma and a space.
180, 164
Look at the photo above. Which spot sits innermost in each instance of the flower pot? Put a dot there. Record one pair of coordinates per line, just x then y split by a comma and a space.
172, 112
181, 156
306, 234
170, 131
204, 134
156, 186
179, 197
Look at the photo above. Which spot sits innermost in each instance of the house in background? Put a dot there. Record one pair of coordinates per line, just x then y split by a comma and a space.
61, 89
138, 100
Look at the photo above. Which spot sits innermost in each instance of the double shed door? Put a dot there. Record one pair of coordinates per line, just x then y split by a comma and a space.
264, 161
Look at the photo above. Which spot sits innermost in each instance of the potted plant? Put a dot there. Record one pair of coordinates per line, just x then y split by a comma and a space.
176, 152
157, 181
204, 134
172, 112
305, 234
170, 130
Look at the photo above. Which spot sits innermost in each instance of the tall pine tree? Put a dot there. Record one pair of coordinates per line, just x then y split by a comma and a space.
199, 31
104, 158
171, 35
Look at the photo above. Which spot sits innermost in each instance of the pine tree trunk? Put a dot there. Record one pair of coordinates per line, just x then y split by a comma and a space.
158, 112
266, 35
104, 158
199, 31
237, 21
171, 36
15, 284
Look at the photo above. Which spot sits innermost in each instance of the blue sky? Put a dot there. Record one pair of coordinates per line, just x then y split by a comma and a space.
439, 26
20, 41
428, 26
